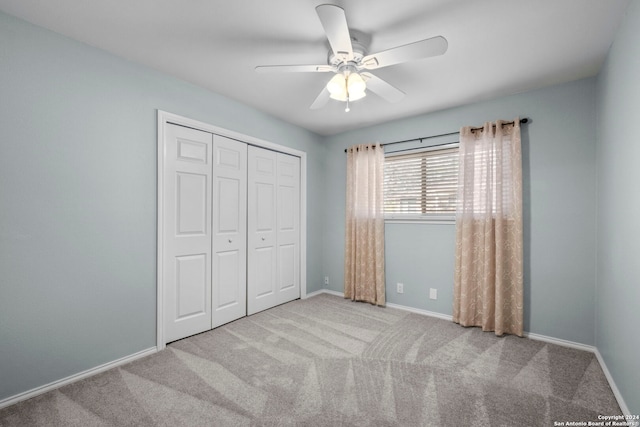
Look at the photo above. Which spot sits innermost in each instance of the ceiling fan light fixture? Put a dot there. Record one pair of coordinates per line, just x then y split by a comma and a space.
351, 87
337, 87
356, 96
339, 96
355, 85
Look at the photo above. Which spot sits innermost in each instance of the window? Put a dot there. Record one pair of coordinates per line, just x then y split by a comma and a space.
421, 185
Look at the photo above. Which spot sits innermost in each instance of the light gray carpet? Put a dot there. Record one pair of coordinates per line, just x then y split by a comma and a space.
326, 361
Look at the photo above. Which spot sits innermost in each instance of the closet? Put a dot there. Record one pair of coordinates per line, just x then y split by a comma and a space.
231, 230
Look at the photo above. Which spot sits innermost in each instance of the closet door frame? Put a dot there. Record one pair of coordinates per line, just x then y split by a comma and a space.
165, 118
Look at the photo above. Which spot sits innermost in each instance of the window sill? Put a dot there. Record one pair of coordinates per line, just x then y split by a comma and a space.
439, 221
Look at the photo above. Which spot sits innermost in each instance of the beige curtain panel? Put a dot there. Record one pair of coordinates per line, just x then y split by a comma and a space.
488, 278
364, 237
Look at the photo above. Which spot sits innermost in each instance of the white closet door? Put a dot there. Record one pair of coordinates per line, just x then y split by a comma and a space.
187, 232
229, 285
288, 226
273, 223
261, 225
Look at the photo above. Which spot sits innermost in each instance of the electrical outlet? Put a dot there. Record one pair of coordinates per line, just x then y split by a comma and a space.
326, 280
400, 288
433, 293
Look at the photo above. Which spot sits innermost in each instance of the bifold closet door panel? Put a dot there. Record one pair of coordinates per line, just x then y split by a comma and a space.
288, 226
261, 230
273, 221
186, 225
229, 285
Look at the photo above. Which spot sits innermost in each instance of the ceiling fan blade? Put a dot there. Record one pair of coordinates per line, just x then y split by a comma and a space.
334, 22
294, 68
321, 100
409, 52
382, 88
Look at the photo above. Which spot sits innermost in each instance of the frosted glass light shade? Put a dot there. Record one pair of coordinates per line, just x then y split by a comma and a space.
356, 85
356, 96
339, 96
337, 86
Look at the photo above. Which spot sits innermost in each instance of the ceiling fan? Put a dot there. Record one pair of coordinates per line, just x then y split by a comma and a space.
349, 60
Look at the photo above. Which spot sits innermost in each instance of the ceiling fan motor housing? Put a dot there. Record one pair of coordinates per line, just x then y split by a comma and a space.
359, 43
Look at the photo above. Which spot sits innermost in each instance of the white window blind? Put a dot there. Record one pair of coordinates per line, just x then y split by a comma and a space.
421, 185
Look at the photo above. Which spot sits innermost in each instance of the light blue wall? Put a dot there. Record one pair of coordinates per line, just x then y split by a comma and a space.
618, 283
78, 200
559, 210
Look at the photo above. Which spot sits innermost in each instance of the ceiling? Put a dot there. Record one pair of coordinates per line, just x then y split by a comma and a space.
496, 47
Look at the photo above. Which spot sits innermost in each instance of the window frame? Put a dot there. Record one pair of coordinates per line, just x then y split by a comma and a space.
412, 218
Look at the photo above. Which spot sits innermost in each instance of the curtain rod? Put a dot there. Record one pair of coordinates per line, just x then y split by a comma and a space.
524, 120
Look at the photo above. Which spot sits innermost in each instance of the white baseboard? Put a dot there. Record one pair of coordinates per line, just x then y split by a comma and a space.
612, 384
314, 293
73, 378
421, 311
530, 335
330, 292
560, 342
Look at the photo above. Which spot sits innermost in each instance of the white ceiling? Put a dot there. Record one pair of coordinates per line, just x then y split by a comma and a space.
496, 47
